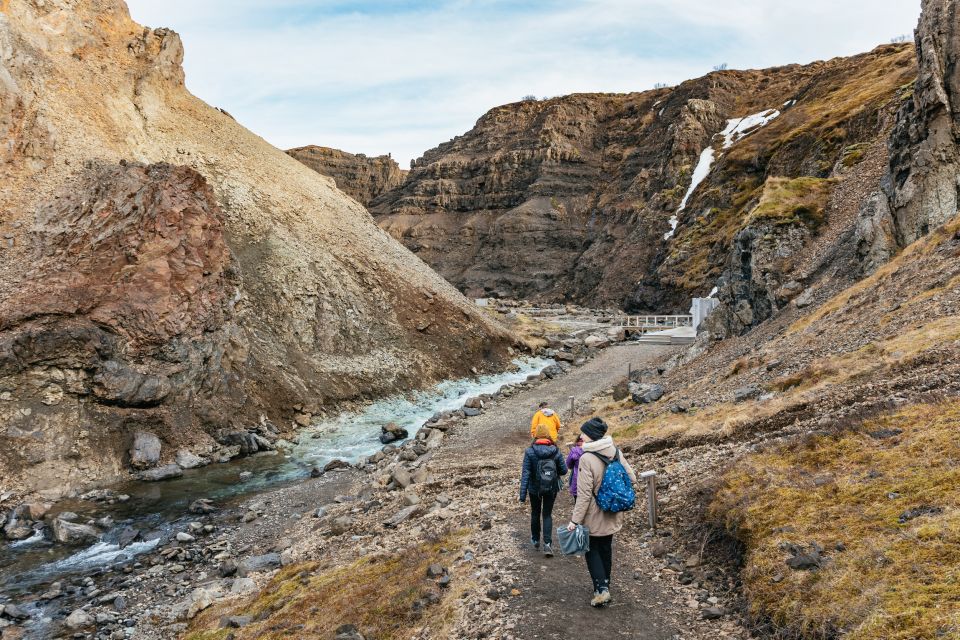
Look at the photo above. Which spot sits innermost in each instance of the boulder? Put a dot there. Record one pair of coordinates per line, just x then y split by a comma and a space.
474, 403
404, 514
401, 477
17, 528
74, 533
199, 600
333, 465
145, 450
712, 613
552, 371
166, 472
202, 506
643, 393
14, 612
341, 525
470, 412
392, 432
235, 622
258, 563
34, 510
596, 342
78, 619
804, 300
186, 459
243, 586
616, 334
748, 392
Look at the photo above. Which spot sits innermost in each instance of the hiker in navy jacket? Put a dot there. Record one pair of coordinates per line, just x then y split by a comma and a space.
542, 467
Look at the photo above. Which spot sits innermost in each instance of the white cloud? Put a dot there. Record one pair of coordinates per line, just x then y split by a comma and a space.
406, 79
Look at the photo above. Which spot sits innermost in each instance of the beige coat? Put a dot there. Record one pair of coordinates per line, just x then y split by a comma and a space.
589, 478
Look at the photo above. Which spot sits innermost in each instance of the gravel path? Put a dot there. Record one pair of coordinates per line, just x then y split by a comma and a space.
551, 597
509, 419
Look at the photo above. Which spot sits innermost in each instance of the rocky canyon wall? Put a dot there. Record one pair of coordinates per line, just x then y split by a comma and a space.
165, 270
360, 177
637, 200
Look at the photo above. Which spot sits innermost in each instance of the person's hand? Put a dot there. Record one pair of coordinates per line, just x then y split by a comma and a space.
571, 527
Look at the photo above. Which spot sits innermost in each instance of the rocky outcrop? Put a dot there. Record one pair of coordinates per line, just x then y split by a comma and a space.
922, 187
360, 177
588, 197
166, 271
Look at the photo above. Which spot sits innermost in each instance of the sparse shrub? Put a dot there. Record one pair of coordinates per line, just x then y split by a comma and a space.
720, 67
529, 98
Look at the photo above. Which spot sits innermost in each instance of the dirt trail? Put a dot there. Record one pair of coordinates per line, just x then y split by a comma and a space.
555, 593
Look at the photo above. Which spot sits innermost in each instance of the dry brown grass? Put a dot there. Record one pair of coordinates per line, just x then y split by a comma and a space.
894, 580
377, 594
870, 361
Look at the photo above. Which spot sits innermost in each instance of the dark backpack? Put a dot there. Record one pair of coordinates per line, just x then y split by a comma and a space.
548, 475
616, 492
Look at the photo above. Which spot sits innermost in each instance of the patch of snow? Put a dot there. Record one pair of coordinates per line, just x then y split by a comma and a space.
738, 128
657, 102
674, 221
713, 292
699, 174
660, 113
789, 103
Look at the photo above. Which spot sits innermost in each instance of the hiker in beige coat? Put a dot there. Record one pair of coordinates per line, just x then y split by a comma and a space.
602, 525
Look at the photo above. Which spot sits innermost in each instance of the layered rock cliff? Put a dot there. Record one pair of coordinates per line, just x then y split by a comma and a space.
163, 269
638, 199
360, 177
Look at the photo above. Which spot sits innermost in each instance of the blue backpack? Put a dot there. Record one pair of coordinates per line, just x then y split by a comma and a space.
616, 492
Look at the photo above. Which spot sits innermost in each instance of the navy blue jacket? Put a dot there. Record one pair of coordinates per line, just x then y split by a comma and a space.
531, 457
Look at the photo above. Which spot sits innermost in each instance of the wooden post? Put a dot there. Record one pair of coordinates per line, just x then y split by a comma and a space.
629, 371
651, 478
571, 407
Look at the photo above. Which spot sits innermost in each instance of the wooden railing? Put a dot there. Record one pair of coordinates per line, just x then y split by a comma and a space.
654, 323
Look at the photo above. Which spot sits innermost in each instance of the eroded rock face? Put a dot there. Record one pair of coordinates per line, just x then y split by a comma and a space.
572, 198
359, 176
925, 157
165, 270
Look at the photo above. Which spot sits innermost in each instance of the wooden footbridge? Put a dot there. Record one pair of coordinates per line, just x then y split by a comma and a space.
646, 324
660, 329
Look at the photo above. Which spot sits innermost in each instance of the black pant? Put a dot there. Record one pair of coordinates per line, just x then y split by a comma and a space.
600, 561
542, 506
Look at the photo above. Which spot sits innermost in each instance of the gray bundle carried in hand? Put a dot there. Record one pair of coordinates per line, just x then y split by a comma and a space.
574, 543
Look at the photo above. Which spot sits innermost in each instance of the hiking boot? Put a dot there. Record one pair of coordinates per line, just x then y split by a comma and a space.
600, 598
535, 543
548, 550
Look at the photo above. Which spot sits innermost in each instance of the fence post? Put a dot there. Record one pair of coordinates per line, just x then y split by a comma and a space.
571, 407
629, 371
651, 478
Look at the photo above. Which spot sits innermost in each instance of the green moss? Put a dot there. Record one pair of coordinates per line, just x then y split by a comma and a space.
853, 154
793, 201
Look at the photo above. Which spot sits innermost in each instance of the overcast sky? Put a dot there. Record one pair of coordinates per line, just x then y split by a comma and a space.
402, 76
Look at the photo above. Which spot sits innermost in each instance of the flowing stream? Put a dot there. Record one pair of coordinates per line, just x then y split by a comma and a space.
155, 509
